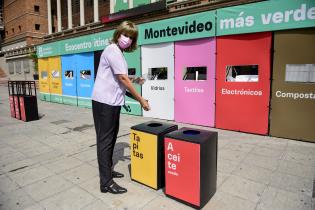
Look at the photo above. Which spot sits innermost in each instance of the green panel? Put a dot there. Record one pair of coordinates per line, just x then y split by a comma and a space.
70, 100
186, 27
121, 5
44, 96
133, 60
266, 16
82, 102
56, 98
88, 43
137, 3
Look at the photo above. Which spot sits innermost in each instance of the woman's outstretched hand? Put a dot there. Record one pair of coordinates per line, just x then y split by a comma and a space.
145, 104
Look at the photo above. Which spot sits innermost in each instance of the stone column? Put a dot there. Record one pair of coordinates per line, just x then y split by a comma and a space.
58, 15
82, 18
69, 14
96, 16
49, 16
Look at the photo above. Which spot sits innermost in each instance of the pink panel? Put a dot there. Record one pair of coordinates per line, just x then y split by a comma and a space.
194, 100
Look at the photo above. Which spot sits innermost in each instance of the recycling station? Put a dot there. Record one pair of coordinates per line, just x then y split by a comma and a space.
44, 78
147, 152
195, 81
69, 80
243, 82
247, 68
133, 107
159, 87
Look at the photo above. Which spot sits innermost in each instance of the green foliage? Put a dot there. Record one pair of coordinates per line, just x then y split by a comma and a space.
34, 58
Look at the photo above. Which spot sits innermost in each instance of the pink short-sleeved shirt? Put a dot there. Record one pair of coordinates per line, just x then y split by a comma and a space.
107, 88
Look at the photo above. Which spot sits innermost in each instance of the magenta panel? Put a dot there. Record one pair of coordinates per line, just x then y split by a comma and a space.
194, 98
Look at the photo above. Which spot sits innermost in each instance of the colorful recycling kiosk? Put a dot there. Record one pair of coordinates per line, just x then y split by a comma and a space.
134, 70
158, 66
147, 152
54, 67
85, 78
195, 81
44, 79
243, 82
191, 165
293, 91
69, 80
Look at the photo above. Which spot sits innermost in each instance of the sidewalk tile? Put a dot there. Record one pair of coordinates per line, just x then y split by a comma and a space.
243, 188
72, 199
47, 187
30, 176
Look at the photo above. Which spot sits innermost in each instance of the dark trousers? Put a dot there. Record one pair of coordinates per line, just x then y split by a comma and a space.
106, 121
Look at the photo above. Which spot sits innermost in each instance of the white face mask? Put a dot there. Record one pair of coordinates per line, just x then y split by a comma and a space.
124, 42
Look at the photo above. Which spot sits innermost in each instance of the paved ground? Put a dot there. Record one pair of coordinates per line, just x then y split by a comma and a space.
51, 164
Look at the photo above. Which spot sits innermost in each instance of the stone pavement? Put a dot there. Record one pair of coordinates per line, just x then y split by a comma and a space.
51, 164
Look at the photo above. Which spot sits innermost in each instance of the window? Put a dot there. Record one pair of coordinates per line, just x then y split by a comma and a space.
18, 67
195, 73
244, 73
20, 28
69, 74
12, 30
85, 74
36, 8
131, 72
26, 66
44, 74
300, 73
37, 27
11, 67
157, 73
55, 74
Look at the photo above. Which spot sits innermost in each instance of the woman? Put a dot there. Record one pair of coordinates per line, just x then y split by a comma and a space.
108, 97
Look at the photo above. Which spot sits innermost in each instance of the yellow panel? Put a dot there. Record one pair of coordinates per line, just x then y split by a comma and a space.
144, 158
55, 74
43, 75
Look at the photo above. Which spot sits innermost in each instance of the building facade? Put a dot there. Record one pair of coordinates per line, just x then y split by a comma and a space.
25, 23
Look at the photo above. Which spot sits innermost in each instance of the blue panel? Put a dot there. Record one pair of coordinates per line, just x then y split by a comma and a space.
69, 78
85, 74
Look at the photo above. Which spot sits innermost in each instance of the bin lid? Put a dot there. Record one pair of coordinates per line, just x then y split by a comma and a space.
154, 127
193, 135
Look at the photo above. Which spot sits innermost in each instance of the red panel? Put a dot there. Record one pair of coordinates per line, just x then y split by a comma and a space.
17, 107
182, 170
12, 106
243, 111
22, 108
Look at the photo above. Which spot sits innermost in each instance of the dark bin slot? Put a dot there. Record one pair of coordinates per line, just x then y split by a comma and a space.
195, 73
154, 124
191, 132
158, 73
131, 72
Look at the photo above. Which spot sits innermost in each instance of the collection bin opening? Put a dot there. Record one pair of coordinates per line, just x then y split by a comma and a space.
191, 132
244, 73
154, 124
197, 73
